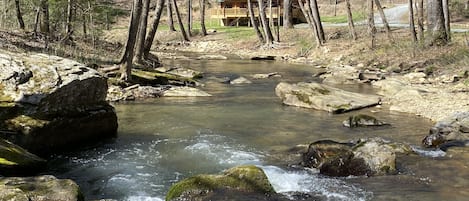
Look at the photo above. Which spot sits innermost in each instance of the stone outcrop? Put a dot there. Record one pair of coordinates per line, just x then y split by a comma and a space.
242, 179
362, 120
14, 160
366, 157
39, 188
240, 80
323, 97
450, 129
48, 102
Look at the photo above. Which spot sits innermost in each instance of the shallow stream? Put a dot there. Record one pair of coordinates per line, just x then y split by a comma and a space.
162, 141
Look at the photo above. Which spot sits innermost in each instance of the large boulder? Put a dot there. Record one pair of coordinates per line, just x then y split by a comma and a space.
242, 179
39, 188
366, 157
323, 97
450, 129
48, 102
14, 160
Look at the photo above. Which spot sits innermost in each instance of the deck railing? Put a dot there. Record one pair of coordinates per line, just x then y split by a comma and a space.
220, 13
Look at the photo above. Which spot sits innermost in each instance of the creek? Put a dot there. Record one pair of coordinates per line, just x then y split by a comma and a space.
164, 140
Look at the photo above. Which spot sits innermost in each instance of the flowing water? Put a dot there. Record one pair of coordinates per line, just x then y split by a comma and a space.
162, 141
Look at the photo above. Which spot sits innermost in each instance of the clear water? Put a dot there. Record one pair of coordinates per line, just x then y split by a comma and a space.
162, 141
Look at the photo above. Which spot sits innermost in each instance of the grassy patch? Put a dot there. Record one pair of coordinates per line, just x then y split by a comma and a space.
356, 16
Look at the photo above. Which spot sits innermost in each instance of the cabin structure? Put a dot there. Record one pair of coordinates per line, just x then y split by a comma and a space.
235, 12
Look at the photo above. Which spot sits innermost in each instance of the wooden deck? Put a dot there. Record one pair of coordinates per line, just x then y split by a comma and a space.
240, 16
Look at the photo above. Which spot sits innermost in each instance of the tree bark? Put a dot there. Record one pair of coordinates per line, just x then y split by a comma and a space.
383, 18
19, 16
36, 20
254, 23
277, 30
85, 31
189, 17
351, 26
169, 8
142, 31
436, 23
181, 25
287, 14
317, 18
267, 32
371, 23
420, 20
69, 28
310, 21
447, 19
45, 17
90, 13
127, 56
411, 22
154, 27
202, 17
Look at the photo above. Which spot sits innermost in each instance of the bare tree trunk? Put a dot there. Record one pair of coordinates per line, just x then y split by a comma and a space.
127, 56
371, 23
36, 20
90, 13
45, 17
287, 14
254, 22
411, 22
317, 18
202, 17
447, 19
278, 21
19, 16
189, 17
142, 32
170, 16
181, 25
68, 28
85, 34
267, 32
154, 26
351, 26
420, 20
436, 23
383, 18
310, 21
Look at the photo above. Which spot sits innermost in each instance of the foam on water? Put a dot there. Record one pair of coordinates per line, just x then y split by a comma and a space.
434, 153
302, 181
223, 151
143, 198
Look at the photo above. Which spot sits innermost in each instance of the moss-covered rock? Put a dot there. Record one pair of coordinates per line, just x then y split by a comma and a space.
16, 160
39, 188
250, 179
157, 78
323, 97
362, 120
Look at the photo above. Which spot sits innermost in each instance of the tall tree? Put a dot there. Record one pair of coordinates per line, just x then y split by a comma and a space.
383, 18
169, 8
351, 26
310, 20
420, 20
127, 56
68, 27
189, 17
436, 23
267, 32
181, 25
287, 14
254, 22
371, 23
154, 26
202, 17
447, 19
142, 31
411, 22
317, 18
19, 15
45, 17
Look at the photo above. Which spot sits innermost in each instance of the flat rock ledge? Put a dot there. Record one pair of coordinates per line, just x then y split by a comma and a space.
323, 97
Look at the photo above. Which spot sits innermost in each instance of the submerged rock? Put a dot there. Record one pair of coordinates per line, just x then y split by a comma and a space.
242, 179
265, 75
14, 160
212, 57
362, 120
240, 80
183, 72
367, 157
453, 128
184, 92
39, 188
48, 102
323, 97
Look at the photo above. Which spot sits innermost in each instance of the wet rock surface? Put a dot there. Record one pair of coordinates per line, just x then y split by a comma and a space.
362, 120
450, 131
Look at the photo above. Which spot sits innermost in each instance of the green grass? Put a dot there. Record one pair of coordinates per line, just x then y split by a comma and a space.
356, 16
